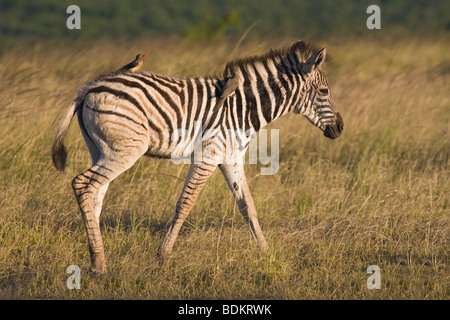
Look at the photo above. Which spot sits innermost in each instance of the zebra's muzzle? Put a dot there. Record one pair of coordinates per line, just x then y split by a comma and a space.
333, 131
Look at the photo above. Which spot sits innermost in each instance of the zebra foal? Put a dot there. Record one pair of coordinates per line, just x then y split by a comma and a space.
125, 115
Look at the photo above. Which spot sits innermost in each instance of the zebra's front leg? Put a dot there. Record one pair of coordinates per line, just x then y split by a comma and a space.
197, 176
235, 176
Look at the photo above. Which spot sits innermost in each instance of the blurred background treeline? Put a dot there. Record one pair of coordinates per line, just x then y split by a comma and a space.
37, 20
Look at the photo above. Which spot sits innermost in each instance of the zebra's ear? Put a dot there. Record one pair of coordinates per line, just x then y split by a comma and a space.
316, 61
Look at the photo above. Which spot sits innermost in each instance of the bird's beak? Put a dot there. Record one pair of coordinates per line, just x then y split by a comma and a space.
144, 55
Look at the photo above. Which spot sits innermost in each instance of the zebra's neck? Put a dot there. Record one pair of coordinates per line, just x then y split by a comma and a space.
265, 93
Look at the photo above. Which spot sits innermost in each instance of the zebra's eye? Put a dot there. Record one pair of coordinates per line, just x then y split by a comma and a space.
324, 91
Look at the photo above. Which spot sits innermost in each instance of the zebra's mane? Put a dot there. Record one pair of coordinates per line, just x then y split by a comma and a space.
299, 49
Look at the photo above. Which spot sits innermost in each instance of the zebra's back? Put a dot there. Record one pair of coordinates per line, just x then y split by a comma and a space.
142, 108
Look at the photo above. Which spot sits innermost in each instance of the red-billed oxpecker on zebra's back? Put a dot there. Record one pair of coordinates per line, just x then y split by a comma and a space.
125, 115
136, 64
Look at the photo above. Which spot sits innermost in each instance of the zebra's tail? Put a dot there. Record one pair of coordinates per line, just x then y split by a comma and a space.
59, 152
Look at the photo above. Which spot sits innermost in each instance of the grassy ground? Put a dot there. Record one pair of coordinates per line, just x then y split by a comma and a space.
378, 195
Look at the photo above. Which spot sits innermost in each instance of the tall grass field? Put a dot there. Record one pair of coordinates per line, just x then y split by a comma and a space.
378, 195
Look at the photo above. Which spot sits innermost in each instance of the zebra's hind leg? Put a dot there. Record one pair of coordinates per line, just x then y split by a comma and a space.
89, 188
85, 186
197, 177
235, 176
95, 153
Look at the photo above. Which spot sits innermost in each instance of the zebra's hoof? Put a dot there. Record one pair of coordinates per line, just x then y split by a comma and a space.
98, 270
263, 246
164, 255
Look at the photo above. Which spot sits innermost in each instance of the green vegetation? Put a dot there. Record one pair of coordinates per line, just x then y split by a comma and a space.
377, 195
36, 20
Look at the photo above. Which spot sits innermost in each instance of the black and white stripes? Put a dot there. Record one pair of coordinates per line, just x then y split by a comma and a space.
125, 115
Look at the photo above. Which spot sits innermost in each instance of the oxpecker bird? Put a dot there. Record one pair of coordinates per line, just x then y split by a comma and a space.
229, 89
136, 64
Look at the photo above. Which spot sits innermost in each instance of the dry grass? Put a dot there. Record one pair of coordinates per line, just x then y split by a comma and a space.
377, 195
